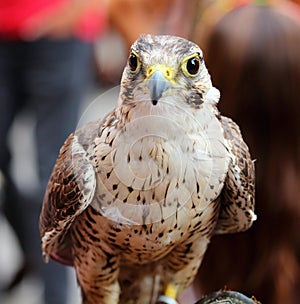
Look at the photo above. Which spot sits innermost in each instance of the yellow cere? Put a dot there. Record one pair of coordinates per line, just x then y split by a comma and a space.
166, 71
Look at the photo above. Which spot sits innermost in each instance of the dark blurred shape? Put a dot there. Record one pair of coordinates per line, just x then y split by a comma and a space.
45, 67
227, 297
253, 55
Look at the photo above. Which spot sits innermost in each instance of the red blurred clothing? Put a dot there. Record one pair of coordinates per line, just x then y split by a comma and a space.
16, 15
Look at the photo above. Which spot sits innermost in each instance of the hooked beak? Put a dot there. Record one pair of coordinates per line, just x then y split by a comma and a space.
158, 79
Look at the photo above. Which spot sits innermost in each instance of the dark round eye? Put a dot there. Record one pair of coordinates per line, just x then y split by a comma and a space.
193, 66
133, 62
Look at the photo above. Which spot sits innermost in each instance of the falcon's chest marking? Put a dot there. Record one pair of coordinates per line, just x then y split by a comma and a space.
160, 169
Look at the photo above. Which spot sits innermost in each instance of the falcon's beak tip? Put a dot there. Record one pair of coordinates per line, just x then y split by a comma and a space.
158, 81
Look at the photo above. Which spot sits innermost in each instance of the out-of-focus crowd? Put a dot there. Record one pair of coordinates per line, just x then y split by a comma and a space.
51, 51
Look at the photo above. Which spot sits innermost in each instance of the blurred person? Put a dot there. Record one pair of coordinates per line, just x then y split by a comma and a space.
45, 66
253, 55
206, 13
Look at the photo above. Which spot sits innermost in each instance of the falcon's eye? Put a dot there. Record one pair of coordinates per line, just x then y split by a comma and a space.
191, 65
134, 62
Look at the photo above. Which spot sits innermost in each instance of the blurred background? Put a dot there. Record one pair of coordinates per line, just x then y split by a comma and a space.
59, 61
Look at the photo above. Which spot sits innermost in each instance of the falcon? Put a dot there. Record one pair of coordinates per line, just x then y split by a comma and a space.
134, 199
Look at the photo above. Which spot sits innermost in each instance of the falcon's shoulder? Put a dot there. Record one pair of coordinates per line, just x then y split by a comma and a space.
237, 196
70, 189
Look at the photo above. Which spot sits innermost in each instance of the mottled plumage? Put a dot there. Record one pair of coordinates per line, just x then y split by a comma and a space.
134, 199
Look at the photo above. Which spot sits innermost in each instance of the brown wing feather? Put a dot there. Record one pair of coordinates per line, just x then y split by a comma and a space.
237, 197
70, 190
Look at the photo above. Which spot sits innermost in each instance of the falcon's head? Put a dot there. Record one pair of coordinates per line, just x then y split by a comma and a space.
161, 66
